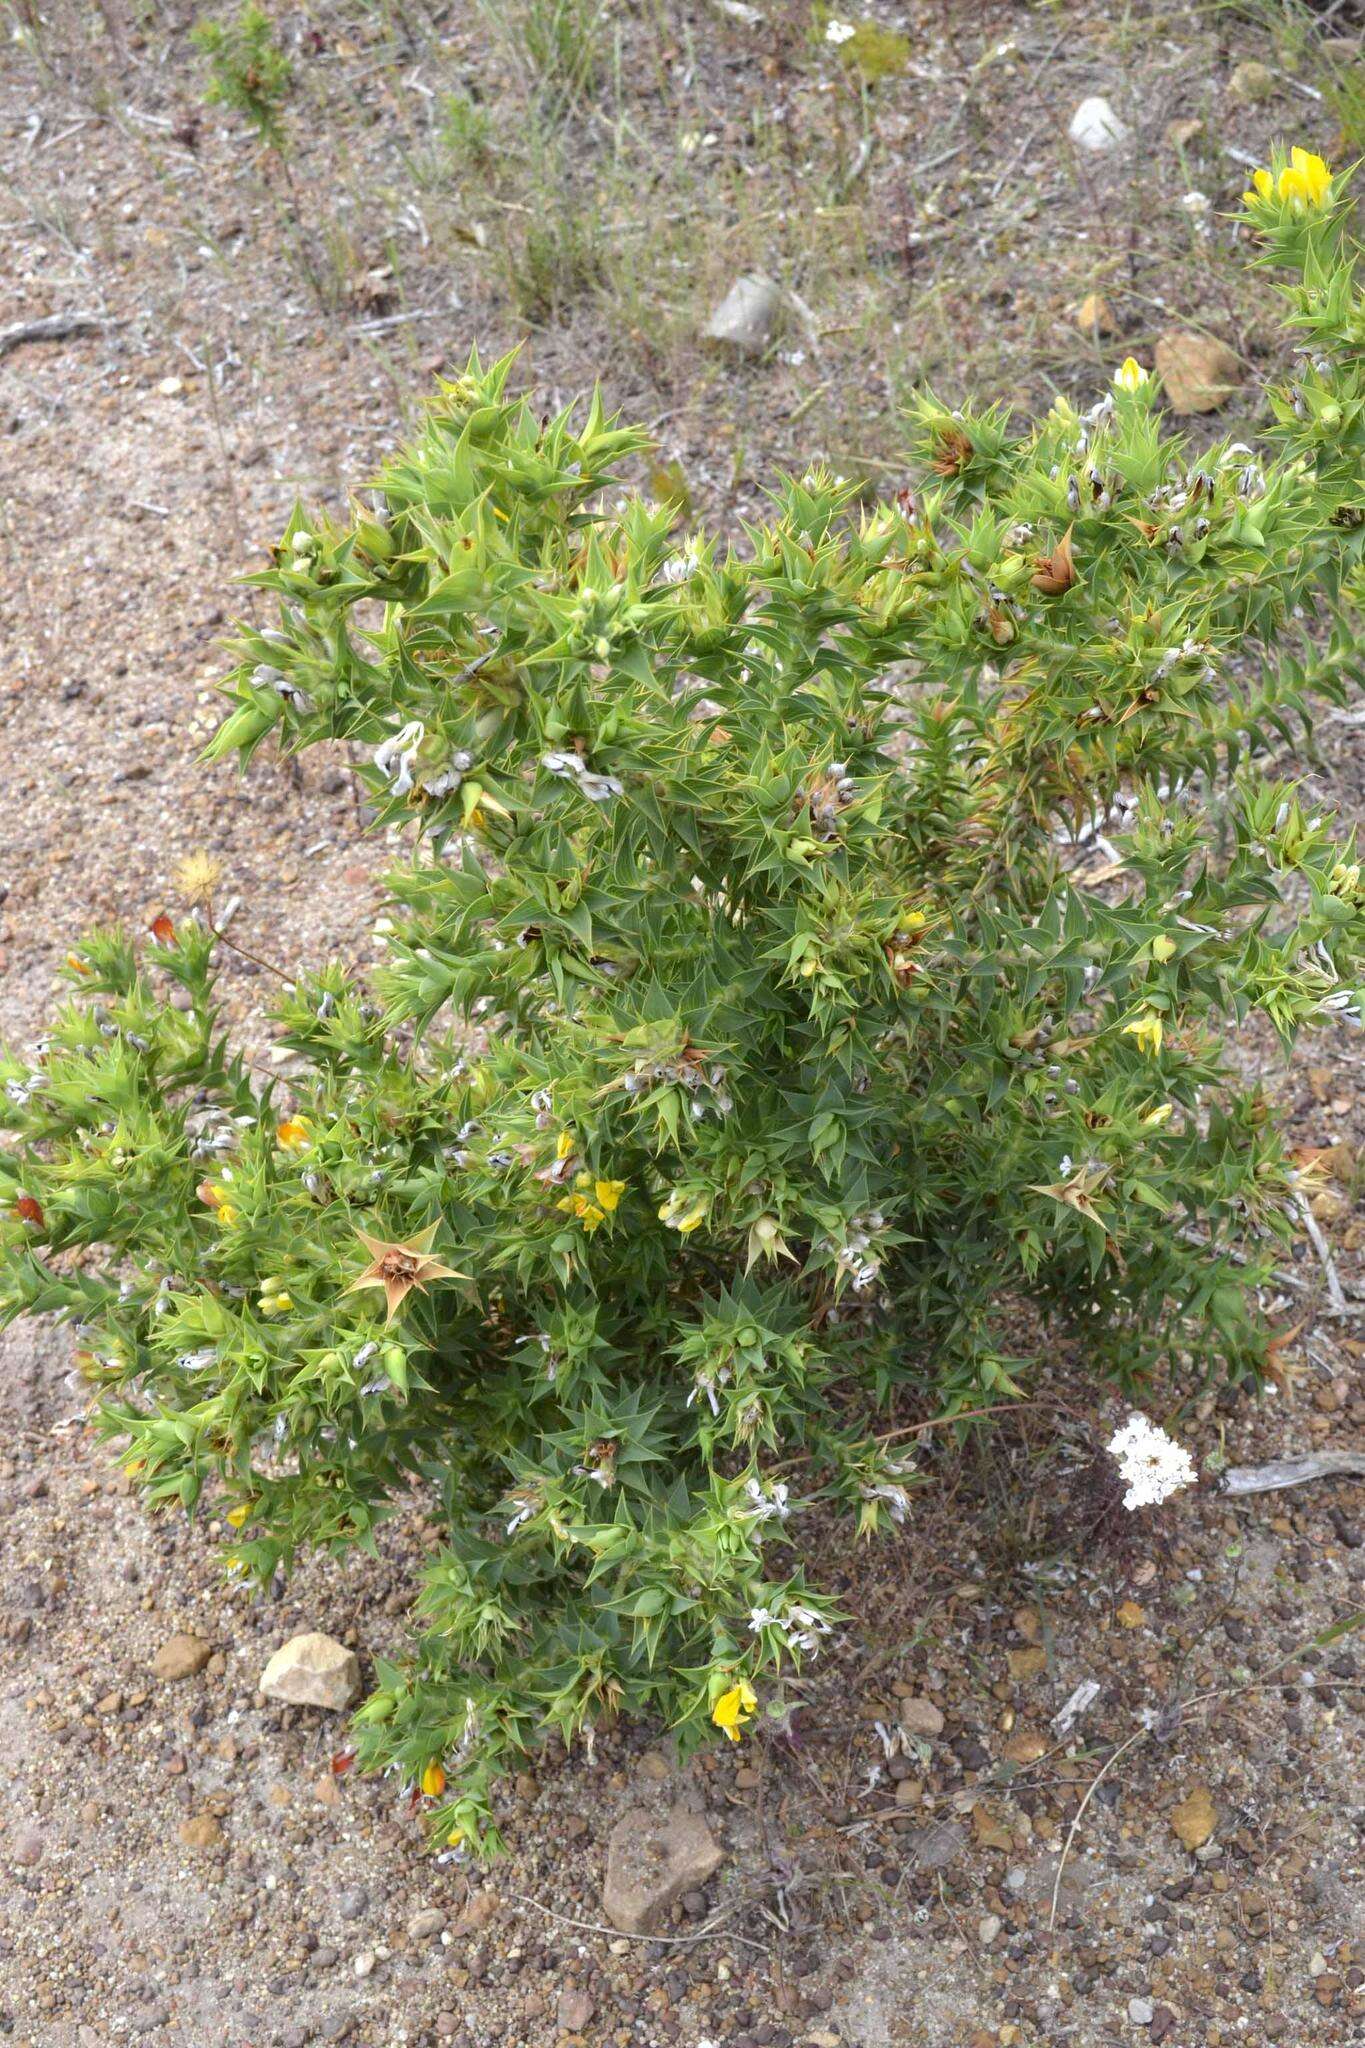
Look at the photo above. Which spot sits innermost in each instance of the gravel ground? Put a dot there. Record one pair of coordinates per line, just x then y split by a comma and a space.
183, 1863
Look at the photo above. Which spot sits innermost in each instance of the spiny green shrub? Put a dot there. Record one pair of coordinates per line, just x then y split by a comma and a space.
749, 1040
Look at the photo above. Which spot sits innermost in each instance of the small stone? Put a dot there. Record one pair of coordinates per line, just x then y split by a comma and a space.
746, 318
425, 1925
1194, 1818
364, 1963
447, 2024
1140, 2011
1026, 1664
921, 1717
988, 1928
576, 2007
1198, 372
353, 1902
27, 1846
1182, 133
201, 1831
934, 1848
1094, 316
171, 387
1025, 1747
112, 1703
312, 1670
652, 1862
1095, 126
479, 1909
181, 1656
1252, 82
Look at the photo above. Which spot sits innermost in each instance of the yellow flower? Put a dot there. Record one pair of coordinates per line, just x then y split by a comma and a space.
226, 1215
676, 1213
292, 1134
1305, 178
588, 1213
1160, 1115
433, 1781
197, 876
564, 1145
734, 1708
241, 1513
76, 964
1130, 375
1304, 181
609, 1193
274, 1304
1147, 1030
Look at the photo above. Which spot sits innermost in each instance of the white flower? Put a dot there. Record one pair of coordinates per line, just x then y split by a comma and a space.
394, 758
1196, 202
837, 32
1151, 1464
763, 1506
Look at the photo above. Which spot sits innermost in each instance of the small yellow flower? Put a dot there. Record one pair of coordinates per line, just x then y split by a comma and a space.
433, 1781
1160, 1115
274, 1304
588, 1213
1304, 182
1130, 375
76, 964
235, 1517
564, 1145
609, 1193
677, 1214
1147, 1030
734, 1708
197, 876
292, 1134
226, 1215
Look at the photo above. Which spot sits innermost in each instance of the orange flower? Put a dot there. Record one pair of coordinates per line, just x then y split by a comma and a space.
433, 1781
292, 1134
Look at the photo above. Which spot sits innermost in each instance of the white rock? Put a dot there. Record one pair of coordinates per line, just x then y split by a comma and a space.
1140, 2011
1095, 125
987, 1929
746, 317
312, 1671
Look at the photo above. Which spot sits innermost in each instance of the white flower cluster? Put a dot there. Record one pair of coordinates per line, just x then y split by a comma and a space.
837, 32
573, 768
765, 1505
1151, 1464
855, 1255
799, 1627
707, 1088
394, 758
